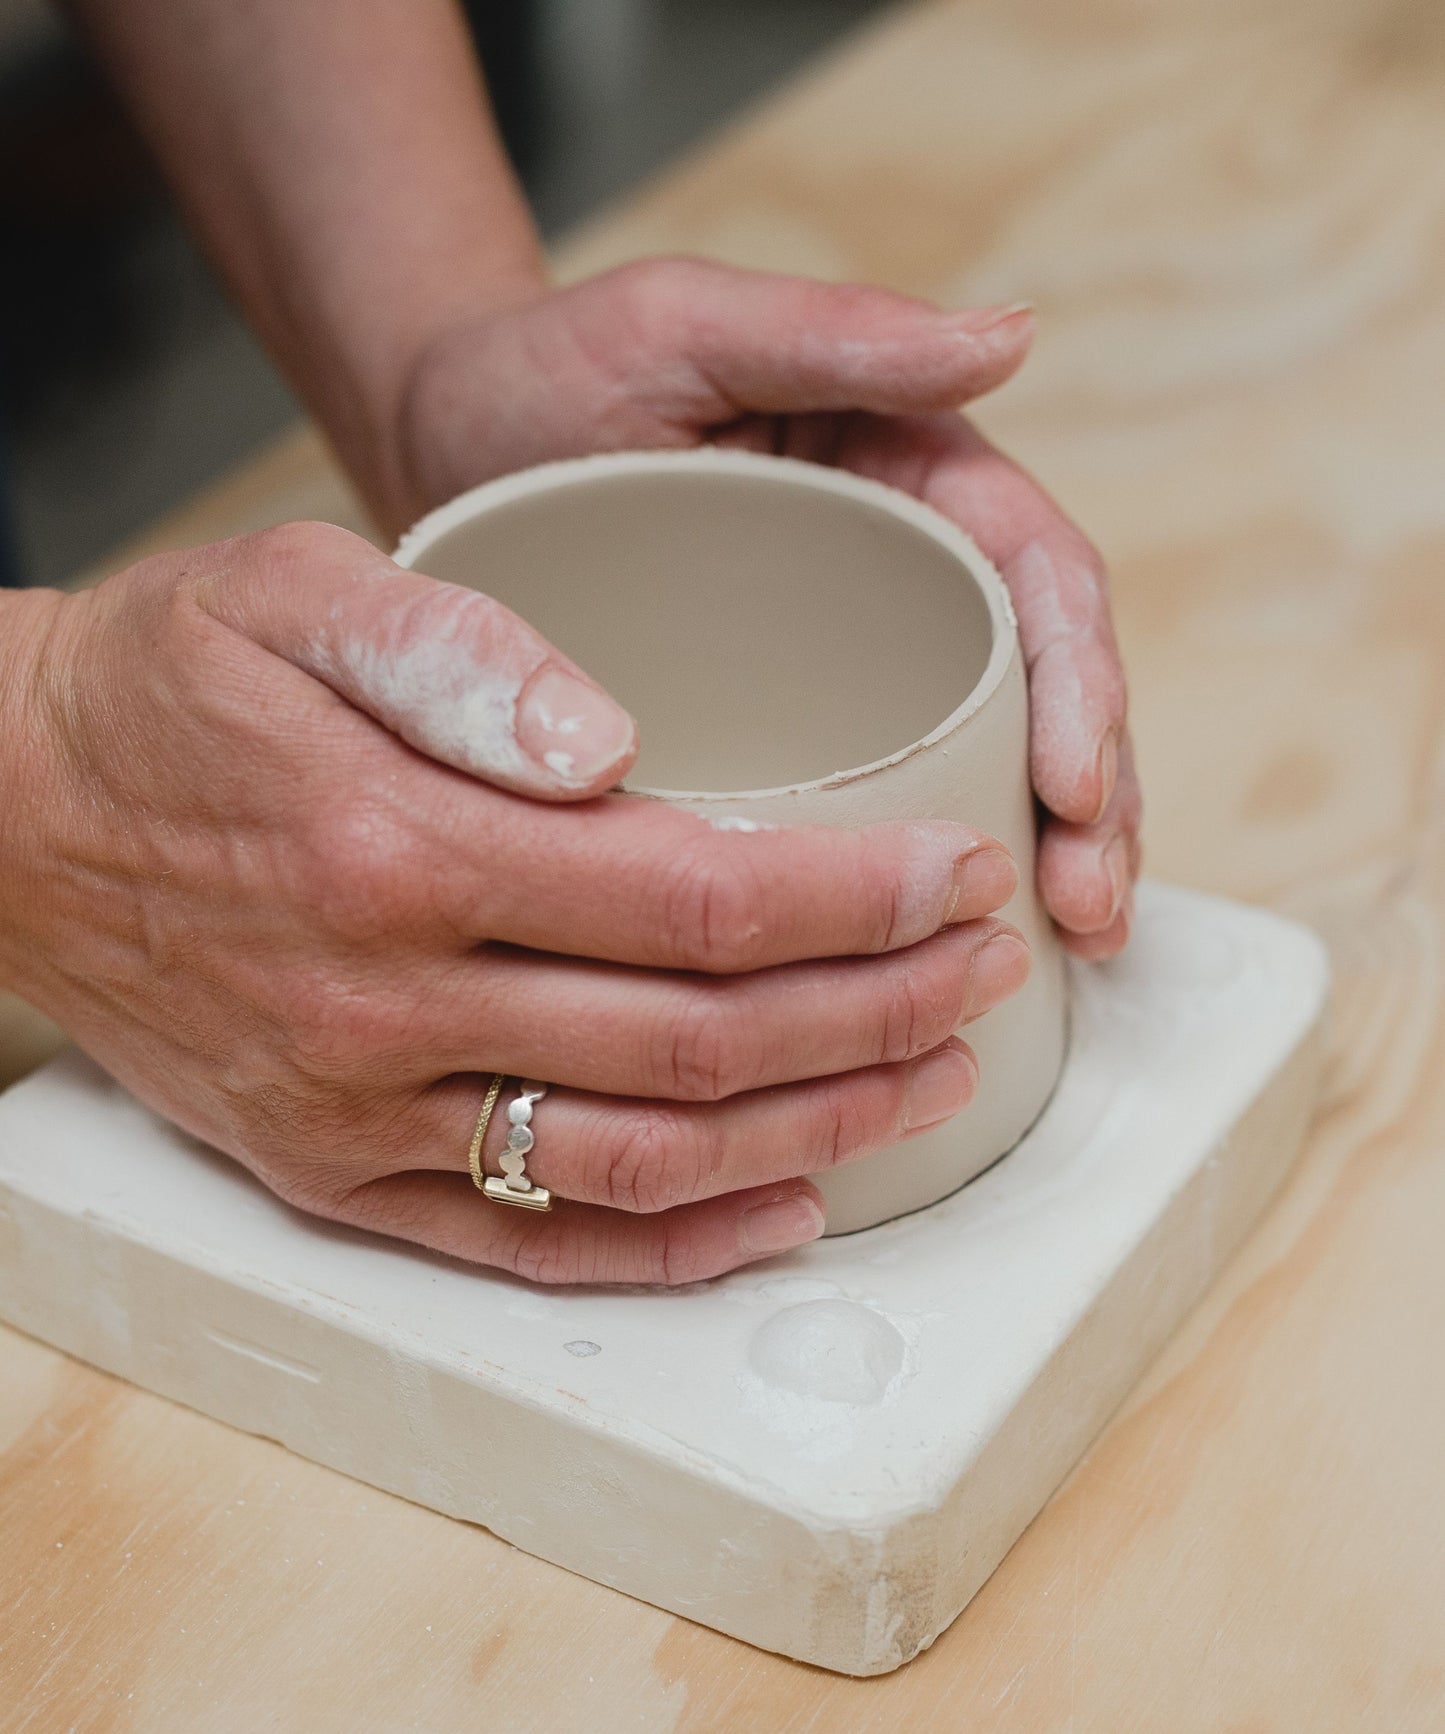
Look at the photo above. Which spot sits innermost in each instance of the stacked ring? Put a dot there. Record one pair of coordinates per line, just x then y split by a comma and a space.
515, 1187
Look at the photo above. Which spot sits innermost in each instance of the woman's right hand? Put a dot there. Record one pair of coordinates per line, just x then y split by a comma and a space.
301, 846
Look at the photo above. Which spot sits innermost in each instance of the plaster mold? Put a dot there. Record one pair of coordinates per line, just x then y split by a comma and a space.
799, 646
824, 1455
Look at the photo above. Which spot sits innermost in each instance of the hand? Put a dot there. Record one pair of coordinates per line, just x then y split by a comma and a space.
250, 862
677, 352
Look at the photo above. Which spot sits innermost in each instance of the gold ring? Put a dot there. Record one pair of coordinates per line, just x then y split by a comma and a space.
484, 1119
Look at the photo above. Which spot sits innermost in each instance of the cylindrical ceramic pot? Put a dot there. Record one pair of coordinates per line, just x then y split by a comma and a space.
798, 646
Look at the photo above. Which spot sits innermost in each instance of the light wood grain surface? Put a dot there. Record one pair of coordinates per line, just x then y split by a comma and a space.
1232, 218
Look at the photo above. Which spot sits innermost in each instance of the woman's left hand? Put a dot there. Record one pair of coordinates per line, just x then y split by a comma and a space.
680, 352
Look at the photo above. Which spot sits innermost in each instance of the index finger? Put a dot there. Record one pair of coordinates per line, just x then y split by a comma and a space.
630, 880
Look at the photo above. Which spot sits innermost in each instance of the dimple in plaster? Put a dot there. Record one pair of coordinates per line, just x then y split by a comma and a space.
837, 1350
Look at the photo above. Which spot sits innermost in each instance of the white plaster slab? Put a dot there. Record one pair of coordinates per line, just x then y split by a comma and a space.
826, 1455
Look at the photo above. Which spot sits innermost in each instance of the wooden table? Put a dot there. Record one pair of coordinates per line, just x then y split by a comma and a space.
1232, 218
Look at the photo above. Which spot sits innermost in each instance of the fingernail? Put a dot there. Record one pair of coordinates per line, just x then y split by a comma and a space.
1116, 865
983, 880
779, 1224
938, 1086
1107, 769
979, 320
571, 729
1000, 968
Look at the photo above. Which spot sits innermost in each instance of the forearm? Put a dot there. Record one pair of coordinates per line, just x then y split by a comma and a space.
339, 159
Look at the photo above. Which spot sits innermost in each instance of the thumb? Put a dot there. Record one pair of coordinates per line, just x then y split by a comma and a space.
751, 342
451, 671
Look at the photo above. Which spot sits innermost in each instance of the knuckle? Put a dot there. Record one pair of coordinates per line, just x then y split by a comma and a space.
360, 871
649, 1162
706, 1050
1110, 686
551, 1260
895, 921
677, 1255
847, 1128
916, 1015
302, 545
662, 287
861, 306
303, 1172
712, 912
335, 1026
304, 1187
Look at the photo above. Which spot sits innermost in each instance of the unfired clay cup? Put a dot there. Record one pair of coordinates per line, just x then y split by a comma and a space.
798, 646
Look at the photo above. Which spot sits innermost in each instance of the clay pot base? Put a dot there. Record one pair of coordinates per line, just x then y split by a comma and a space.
854, 1436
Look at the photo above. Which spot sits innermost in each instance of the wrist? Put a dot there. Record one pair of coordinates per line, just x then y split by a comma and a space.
29, 621
456, 413
385, 461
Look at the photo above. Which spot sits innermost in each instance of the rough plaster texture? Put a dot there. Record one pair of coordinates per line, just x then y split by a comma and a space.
825, 1455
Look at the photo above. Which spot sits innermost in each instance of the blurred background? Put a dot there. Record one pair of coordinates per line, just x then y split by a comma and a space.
126, 381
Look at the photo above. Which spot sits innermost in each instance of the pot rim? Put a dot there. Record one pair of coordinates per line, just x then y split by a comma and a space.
714, 460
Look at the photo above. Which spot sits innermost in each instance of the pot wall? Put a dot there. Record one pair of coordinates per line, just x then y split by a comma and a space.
733, 602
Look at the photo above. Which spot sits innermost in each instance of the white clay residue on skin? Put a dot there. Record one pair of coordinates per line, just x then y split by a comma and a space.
438, 698
1058, 605
735, 822
926, 882
447, 677
546, 718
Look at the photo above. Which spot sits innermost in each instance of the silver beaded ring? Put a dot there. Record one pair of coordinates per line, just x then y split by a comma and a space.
516, 1188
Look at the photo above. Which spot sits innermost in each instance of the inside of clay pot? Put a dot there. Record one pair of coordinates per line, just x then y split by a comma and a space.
762, 633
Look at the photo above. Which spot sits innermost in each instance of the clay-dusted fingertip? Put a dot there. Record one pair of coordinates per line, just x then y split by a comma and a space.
579, 739
939, 1085
1107, 943
1086, 878
950, 873
1075, 772
991, 344
1087, 885
1000, 967
984, 878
